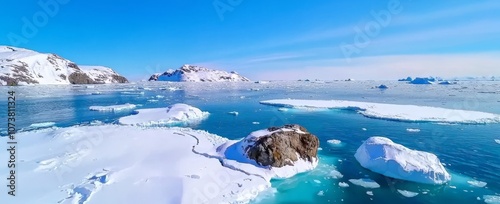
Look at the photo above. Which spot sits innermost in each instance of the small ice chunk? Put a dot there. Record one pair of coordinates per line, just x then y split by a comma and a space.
343, 184
382, 155
283, 109
233, 113
407, 194
364, 182
479, 184
319, 148
336, 174
364, 129
454, 187
160, 96
334, 142
412, 130
255, 123
321, 193
316, 181
497, 141
370, 193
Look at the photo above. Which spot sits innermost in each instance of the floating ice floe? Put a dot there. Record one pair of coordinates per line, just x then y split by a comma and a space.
383, 156
409, 113
82, 168
132, 93
370, 193
334, 142
412, 130
364, 182
497, 141
491, 199
122, 107
255, 123
343, 184
42, 125
407, 194
283, 109
475, 183
174, 114
235, 154
321, 193
233, 113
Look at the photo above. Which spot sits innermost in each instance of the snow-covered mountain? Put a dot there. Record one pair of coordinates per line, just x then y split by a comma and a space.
20, 66
189, 73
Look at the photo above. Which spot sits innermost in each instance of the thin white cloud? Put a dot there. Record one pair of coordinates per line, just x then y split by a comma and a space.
390, 67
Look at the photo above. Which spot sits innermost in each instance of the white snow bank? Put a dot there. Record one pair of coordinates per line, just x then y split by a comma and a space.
122, 107
381, 155
101, 164
410, 113
364, 182
177, 113
235, 155
407, 194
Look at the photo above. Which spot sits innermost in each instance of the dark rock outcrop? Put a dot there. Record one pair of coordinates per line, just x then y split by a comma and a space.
280, 148
80, 78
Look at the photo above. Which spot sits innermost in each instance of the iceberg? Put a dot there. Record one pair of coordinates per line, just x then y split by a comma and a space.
381, 155
122, 107
408, 113
174, 114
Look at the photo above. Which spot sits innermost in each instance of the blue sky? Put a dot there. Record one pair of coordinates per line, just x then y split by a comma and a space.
266, 39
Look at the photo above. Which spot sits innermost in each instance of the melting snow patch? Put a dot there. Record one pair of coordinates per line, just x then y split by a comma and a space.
364, 182
479, 184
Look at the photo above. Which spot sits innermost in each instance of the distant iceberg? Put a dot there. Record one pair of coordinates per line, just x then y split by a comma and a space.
383, 156
177, 113
408, 113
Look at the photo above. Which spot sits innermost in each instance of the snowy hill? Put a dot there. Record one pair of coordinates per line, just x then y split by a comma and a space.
189, 73
21, 67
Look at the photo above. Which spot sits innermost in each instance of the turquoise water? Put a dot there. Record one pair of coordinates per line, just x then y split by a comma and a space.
469, 151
